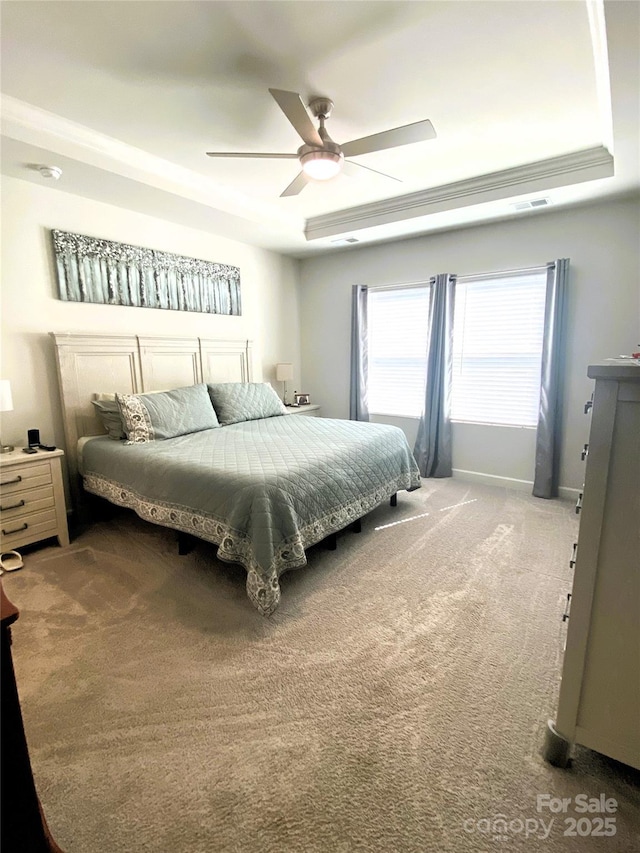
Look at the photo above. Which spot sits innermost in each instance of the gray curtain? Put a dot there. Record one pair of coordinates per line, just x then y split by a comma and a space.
433, 444
548, 436
358, 403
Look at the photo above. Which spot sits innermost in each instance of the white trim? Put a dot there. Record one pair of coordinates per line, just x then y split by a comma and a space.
493, 480
34, 126
567, 169
598, 31
493, 424
565, 492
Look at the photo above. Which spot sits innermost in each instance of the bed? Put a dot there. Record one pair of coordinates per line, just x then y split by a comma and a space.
261, 484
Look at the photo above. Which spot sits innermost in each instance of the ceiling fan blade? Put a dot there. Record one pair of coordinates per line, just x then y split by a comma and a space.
296, 186
291, 105
352, 170
246, 154
419, 131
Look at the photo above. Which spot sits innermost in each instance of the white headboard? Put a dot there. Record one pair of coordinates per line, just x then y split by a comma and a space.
132, 364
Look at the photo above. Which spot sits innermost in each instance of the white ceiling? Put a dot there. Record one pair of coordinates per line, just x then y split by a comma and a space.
529, 99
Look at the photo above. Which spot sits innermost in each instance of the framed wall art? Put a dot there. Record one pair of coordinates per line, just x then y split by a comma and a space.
100, 271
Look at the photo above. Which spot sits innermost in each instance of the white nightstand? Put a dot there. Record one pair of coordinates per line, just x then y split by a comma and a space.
312, 410
32, 505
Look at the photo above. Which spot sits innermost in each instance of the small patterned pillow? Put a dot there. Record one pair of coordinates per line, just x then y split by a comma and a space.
151, 417
244, 401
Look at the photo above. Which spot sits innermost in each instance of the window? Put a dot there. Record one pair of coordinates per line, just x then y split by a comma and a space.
497, 348
397, 346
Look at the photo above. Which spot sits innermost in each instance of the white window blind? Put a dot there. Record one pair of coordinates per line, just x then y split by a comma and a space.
497, 349
397, 346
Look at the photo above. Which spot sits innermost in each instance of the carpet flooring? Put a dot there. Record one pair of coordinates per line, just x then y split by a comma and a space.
396, 702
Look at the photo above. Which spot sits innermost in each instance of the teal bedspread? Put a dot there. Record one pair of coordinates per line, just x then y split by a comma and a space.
262, 490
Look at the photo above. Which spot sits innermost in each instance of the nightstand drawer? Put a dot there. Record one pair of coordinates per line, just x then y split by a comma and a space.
32, 527
32, 505
29, 500
310, 410
20, 477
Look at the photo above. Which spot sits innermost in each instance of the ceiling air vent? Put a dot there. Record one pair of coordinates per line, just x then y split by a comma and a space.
529, 205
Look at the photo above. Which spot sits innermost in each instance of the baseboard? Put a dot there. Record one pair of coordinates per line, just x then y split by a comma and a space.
566, 492
493, 480
509, 483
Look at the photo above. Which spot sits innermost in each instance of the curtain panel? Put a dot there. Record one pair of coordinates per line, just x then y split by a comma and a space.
358, 402
548, 434
432, 449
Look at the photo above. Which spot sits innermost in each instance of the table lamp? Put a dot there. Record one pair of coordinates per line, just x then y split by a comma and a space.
6, 405
284, 374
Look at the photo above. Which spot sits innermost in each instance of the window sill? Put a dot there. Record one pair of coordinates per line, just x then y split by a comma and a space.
491, 424
395, 415
454, 421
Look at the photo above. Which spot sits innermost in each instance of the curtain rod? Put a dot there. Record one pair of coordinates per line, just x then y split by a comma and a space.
470, 277
404, 284
502, 273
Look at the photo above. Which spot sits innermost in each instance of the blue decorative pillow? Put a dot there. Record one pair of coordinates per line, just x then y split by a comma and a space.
244, 401
152, 417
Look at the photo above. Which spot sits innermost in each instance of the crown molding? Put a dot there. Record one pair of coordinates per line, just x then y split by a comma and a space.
32, 125
35, 126
567, 169
598, 32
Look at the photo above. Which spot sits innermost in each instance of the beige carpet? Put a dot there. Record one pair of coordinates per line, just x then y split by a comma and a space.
395, 702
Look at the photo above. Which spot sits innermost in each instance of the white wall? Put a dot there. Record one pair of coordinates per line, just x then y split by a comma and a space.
31, 309
603, 244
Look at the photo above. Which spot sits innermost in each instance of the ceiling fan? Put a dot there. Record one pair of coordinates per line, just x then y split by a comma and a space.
320, 157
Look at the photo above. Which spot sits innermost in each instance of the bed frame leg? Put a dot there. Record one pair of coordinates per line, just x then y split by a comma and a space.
356, 526
186, 543
393, 500
331, 542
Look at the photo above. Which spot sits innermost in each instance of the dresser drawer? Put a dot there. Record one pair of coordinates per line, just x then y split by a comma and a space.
19, 477
23, 529
26, 501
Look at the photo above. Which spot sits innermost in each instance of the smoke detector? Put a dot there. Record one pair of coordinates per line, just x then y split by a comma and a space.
53, 172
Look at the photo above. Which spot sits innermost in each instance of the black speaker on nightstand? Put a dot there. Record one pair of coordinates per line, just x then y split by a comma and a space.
33, 437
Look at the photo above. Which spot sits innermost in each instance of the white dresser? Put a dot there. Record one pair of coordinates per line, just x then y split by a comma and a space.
32, 505
599, 702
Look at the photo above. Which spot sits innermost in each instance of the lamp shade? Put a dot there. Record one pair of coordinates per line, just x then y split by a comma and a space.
6, 401
284, 372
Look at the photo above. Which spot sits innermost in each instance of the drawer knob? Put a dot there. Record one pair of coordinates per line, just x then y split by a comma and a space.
587, 406
17, 530
11, 506
585, 452
17, 479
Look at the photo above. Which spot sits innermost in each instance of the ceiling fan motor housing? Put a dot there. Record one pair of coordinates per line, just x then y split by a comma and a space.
323, 162
321, 107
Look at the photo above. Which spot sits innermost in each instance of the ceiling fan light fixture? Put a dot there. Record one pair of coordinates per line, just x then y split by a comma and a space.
321, 165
